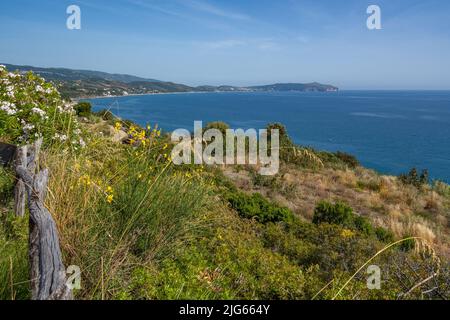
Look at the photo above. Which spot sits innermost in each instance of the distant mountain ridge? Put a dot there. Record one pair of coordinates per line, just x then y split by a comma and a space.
86, 83
74, 74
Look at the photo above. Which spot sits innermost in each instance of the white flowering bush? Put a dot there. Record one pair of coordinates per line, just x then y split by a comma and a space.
31, 108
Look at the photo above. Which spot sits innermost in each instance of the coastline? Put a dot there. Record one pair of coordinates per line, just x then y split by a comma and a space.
152, 94
187, 92
396, 164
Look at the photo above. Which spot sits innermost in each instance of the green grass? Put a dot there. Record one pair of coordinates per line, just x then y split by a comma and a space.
141, 228
14, 278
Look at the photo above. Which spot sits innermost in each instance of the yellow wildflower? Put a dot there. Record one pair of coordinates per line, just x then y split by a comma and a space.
110, 198
347, 233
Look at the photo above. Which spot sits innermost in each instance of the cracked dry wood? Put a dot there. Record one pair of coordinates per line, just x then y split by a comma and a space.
47, 271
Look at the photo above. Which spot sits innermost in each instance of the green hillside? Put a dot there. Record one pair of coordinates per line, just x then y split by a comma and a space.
85, 84
140, 227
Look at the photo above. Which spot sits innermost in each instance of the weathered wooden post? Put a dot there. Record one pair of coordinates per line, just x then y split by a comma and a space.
19, 188
47, 271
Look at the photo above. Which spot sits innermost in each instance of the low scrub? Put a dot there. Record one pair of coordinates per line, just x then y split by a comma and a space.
413, 178
341, 214
257, 207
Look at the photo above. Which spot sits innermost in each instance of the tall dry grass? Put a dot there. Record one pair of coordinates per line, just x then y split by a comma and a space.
117, 207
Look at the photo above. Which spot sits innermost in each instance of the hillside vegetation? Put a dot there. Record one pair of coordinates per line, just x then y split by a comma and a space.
86, 83
140, 227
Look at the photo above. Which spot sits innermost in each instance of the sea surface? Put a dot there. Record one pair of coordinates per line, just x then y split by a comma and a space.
389, 131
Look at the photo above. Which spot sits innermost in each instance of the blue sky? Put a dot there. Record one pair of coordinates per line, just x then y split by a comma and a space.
242, 42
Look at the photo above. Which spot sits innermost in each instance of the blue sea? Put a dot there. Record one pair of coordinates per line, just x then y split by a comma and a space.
389, 131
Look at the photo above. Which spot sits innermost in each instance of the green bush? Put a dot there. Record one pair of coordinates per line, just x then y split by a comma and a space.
338, 213
219, 125
31, 108
408, 245
341, 214
83, 109
257, 207
363, 224
384, 235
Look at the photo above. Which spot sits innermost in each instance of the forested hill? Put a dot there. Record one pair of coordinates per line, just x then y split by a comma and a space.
87, 83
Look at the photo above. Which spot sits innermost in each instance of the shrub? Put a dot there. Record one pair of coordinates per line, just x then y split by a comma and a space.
219, 125
341, 214
413, 178
363, 224
408, 245
257, 207
384, 235
83, 109
338, 213
282, 131
31, 108
348, 159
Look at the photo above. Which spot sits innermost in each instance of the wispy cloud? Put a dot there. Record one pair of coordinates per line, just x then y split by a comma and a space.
262, 44
154, 7
178, 12
215, 10
224, 44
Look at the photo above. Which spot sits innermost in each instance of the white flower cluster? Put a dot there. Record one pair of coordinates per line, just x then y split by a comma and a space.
13, 75
28, 103
39, 88
27, 127
10, 91
8, 107
60, 137
66, 109
40, 112
81, 143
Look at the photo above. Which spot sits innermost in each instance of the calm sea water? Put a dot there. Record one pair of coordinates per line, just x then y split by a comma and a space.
390, 131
